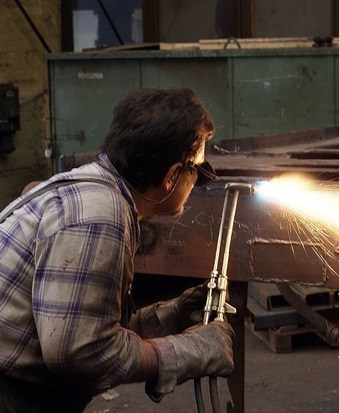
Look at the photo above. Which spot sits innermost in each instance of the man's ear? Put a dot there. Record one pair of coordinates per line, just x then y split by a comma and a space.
172, 175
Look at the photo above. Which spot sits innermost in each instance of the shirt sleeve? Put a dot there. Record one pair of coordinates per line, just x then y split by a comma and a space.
82, 274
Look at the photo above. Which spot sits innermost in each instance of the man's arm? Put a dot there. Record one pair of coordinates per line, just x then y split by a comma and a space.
171, 317
77, 291
79, 283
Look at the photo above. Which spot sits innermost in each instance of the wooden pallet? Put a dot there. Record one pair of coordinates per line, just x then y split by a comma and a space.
279, 339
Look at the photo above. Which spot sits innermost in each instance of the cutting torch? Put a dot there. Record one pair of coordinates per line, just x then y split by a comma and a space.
216, 305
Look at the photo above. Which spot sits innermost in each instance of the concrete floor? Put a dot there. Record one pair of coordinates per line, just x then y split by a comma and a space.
303, 381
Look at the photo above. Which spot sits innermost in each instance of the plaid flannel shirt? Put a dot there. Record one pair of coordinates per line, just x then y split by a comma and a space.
66, 266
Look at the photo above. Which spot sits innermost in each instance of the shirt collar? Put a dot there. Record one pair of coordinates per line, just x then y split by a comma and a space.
105, 163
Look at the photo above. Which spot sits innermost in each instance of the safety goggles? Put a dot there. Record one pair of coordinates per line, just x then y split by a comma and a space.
206, 173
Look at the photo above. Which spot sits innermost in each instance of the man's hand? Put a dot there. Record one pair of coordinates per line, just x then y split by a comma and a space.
201, 350
171, 317
214, 342
190, 305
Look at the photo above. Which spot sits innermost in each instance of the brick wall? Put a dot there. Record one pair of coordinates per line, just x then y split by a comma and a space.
23, 62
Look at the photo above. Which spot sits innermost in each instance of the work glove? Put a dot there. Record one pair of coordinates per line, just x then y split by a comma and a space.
174, 316
201, 350
190, 305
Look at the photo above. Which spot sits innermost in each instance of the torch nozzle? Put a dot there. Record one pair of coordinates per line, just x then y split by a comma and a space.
242, 186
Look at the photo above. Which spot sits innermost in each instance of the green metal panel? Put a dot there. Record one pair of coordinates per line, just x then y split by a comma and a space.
83, 95
282, 94
209, 78
248, 92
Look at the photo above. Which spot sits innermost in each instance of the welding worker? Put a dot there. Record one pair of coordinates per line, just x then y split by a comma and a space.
66, 268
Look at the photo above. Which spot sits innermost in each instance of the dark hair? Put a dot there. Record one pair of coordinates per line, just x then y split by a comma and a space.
153, 129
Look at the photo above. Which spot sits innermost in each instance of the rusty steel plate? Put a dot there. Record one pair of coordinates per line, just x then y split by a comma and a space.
267, 244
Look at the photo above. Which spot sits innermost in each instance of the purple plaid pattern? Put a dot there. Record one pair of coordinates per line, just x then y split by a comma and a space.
66, 265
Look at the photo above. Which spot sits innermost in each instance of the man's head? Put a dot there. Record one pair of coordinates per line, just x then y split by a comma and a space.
155, 134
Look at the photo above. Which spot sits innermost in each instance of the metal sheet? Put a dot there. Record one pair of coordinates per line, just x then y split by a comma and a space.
265, 244
289, 261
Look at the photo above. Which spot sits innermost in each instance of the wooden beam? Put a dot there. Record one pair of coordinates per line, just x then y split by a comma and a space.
66, 11
151, 21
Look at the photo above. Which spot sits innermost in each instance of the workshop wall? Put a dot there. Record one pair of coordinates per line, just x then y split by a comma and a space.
23, 63
291, 18
188, 21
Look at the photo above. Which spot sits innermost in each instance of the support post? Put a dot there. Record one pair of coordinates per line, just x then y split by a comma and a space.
236, 381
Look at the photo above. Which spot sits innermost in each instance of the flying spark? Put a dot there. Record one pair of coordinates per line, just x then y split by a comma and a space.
310, 200
311, 210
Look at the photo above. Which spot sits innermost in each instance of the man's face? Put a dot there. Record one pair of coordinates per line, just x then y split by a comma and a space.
174, 205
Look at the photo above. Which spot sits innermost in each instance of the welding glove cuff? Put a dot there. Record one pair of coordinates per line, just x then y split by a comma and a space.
202, 350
